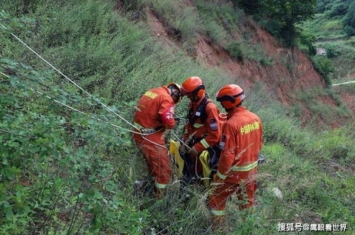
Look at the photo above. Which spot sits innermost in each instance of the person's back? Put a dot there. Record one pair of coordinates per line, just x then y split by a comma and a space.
155, 114
249, 138
240, 145
155, 108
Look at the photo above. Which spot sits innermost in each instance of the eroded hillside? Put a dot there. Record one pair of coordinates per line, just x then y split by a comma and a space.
289, 76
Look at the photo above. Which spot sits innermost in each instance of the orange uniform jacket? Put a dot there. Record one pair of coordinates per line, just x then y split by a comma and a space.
209, 131
155, 108
241, 142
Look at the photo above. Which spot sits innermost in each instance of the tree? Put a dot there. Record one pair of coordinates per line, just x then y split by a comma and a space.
289, 13
349, 20
249, 7
282, 15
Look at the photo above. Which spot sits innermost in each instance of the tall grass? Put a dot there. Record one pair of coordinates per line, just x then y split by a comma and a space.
63, 172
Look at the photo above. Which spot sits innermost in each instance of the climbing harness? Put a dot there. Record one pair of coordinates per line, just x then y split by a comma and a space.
147, 131
200, 113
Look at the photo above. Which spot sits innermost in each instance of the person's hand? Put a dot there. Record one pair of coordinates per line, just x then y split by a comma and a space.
193, 151
216, 178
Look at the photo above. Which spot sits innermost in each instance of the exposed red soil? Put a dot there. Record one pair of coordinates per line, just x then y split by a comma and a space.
348, 100
347, 97
278, 79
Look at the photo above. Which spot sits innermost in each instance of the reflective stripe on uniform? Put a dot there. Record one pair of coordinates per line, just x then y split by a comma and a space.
160, 185
218, 213
221, 176
245, 168
198, 125
204, 143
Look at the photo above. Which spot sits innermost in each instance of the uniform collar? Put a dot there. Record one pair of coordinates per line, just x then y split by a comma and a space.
167, 89
235, 110
199, 101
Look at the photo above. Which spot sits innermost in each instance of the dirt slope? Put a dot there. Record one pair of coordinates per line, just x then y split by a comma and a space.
291, 71
281, 81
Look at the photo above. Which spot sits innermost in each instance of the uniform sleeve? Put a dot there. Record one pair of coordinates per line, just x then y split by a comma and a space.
228, 147
213, 126
166, 113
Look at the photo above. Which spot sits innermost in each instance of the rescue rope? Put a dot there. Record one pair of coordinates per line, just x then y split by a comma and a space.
180, 140
188, 147
66, 77
152, 142
82, 89
98, 119
77, 110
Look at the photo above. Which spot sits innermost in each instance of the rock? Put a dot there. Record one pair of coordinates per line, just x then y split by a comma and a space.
277, 193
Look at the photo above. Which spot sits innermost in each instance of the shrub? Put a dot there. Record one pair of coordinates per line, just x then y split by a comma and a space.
332, 50
236, 50
308, 40
349, 20
324, 66
338, 9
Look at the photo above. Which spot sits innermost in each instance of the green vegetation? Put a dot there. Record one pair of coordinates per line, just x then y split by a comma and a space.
324, 66
332, 27
67, 163
280, 18
349, 20
343, 10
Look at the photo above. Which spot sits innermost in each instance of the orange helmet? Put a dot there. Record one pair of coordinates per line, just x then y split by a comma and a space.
193, 85
175, 91
230, 95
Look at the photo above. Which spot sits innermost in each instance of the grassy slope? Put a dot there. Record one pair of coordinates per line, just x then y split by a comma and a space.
85, 185
340, 50
330, 35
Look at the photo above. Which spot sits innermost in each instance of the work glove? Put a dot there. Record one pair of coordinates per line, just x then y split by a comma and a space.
193, 151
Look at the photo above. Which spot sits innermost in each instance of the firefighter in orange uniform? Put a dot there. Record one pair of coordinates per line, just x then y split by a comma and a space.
240, 145
203, 129
155, 115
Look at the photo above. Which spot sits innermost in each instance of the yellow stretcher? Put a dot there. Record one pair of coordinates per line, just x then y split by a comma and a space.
179, 161
174, 152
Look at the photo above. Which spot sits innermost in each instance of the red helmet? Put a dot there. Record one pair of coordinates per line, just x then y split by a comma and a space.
193, 85
230, 95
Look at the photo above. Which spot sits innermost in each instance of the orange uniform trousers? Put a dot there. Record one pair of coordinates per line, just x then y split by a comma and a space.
156, 157
242, 183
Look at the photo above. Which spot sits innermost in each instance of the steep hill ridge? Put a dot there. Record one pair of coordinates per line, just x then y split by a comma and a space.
290, 73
